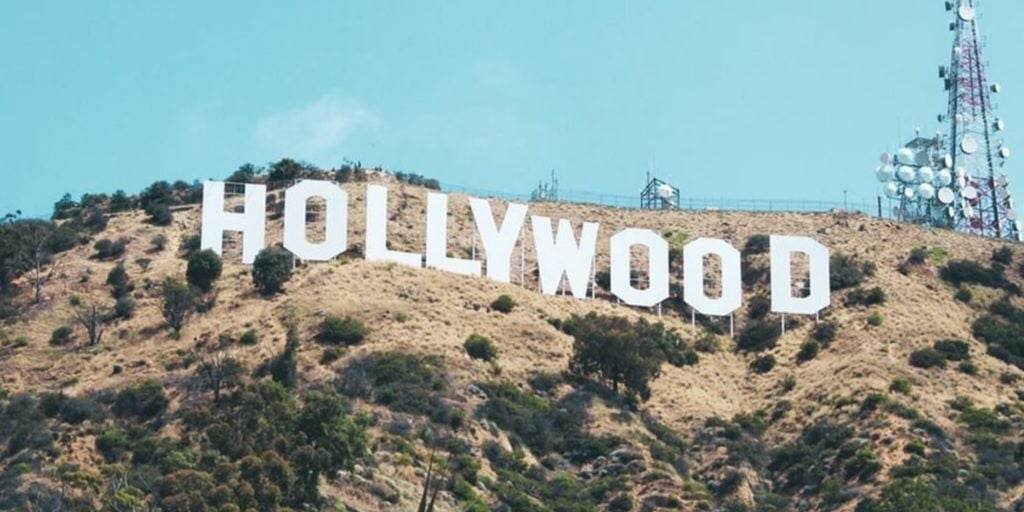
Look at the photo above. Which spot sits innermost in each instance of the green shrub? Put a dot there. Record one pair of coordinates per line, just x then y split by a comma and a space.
480, 347
808, 350
204, 268
763, 363
401, 382
967, 368
124, 308
271, 269
341, 331
331, 354
825, 332
707, 343
953, 350
144, 399
757, 244
249, 337
900, 385
503, 304
179, 302
119, 282
159, 214
963, 295
759, 306
960, 272
918, 255
1003, 255
619, 351
759, 335
61, 335
927, 358
861, 297
107, 249
845, 271
875, 319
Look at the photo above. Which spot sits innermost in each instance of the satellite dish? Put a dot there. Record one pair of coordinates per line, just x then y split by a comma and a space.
947, 161
908, 193
968, 210
886, 158
969, 193
1002, 180
946, 195
961, 172
926, 174
665, 191
1004, 152
905, 156
951, 212
969, 145
945, 177
966, 12
1000, 125
1011, 214
926, 191
892, 190
885, 173
906, 174
996, 88
961, 182
922, 158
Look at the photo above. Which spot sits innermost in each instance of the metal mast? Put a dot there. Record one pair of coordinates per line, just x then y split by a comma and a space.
974, 143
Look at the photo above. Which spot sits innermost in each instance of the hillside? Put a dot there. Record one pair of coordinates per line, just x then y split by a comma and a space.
849, 424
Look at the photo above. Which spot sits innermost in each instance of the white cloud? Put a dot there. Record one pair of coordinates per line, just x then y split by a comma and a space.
313, 131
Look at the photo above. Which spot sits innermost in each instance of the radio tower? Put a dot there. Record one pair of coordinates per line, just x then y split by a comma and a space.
974, 142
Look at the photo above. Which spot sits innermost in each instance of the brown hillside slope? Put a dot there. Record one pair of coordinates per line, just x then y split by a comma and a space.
429, 312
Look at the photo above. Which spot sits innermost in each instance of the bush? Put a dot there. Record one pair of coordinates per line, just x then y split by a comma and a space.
503, 304
900, 385
763, 363
927, 358
144, 399
204, 268
107, 249
918, 255
861, 297
343, 331
61, 335
284, 367
480, 347
808, 350
271, 269
846, 272
757, 244
953, 350
707, 343
331, 354
158, 243
401, 382
960, 272
875, 319
159, 214
963, 295
1003, 255
825, 332
119, 282
249, 337
759, 335
967, 368
124, 308
759, 307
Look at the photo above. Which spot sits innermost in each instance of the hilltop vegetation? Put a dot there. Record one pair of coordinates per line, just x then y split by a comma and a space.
141, 373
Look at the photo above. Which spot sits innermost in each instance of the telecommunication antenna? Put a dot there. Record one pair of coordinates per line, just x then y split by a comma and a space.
659, 195
957, 180
546, 191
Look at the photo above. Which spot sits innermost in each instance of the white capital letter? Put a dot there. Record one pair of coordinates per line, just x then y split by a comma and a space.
437, 239
657, 267
693, 282
498, 244
336, 211
564, 257
377, 230
252, 222
783, 301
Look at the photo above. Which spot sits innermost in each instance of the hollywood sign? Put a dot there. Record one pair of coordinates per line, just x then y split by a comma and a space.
560, 254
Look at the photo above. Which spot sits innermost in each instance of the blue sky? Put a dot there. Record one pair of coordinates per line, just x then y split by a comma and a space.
789, 99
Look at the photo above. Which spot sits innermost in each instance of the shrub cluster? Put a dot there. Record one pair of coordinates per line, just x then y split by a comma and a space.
480, 347
341, 331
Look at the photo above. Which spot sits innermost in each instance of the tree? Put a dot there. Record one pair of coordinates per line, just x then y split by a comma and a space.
271, 269
284, 367
33, 257
218, 373
616, 350
93, 319
204, 267
179, 302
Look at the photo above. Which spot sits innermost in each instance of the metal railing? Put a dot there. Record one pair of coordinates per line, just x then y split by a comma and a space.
686, 203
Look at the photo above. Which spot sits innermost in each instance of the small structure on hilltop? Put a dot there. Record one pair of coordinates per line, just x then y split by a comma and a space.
659, 195
957, 180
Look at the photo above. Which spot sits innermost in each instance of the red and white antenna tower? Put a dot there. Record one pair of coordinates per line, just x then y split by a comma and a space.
982, 203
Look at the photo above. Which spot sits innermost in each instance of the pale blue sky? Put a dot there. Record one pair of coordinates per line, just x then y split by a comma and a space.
787, 99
